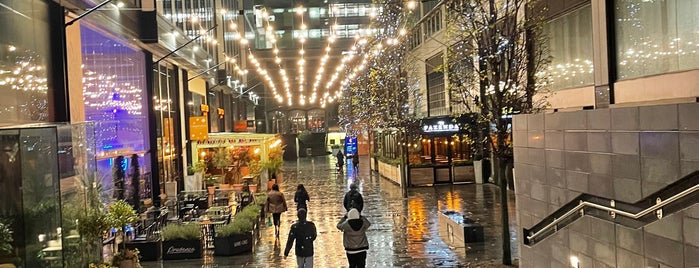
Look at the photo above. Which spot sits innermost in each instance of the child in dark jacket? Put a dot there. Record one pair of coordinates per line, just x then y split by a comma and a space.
304, 233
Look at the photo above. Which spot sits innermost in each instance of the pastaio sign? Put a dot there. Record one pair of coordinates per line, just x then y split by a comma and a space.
180, 250
440, 127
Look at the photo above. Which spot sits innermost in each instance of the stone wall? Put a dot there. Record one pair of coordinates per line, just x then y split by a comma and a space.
623, 154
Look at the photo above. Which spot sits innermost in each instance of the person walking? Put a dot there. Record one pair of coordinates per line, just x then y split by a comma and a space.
340, 160
353, 227
276, 204
355, 162
301, 197
304, 233
353, 198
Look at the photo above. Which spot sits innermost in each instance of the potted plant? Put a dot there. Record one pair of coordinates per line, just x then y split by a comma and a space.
222, 159
210, 182
120, 214
127, 258
237, 237
181, 242
256, 173
92, 225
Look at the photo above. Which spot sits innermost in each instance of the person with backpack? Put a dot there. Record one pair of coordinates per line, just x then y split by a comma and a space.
304, 233
301, 197
354, 227
353, 198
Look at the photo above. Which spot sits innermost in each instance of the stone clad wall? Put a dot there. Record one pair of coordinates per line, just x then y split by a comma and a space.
621, 153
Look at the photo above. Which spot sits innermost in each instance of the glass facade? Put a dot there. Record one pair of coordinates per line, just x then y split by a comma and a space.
114, 94
570, 45
24, 56
46, 184
167, 122
656, 37
194, 17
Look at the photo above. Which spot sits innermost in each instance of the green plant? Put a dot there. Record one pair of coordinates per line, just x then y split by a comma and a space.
93, 223
135, 195
199, 166
237, 226
181, 232
260, 198
5, 237
255, 167
221, 160
210, 180
121, 214
251, 211
118, 176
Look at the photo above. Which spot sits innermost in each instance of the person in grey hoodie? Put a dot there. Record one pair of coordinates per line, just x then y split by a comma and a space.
353, 227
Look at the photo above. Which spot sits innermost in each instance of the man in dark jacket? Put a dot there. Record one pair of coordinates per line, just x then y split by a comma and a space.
353, 198
304, 232
353, 227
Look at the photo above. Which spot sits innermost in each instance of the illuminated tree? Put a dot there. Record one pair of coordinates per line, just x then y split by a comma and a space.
494, 65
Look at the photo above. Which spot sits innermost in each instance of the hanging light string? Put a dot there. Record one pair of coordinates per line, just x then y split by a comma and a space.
367, 48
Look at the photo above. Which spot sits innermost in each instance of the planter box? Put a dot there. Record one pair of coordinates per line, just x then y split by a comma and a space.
459, 230
421, 175
464, 174
390, 172
182, 249
233, 245
149, 250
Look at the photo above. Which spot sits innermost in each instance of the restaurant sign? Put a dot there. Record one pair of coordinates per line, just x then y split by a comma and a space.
440, 127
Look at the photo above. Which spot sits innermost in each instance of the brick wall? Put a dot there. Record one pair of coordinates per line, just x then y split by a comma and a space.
621, 153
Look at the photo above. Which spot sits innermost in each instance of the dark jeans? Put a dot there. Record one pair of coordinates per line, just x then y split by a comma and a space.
275, 217
357, 260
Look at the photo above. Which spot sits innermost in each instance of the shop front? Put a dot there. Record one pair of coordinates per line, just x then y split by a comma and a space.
441, 154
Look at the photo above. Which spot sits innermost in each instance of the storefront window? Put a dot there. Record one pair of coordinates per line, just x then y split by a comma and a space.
114, 94
570, 45
24, 53
168, 121
279, 122
316, 121
656, 37
298, 121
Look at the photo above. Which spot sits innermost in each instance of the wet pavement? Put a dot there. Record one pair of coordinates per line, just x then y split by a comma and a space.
404, 231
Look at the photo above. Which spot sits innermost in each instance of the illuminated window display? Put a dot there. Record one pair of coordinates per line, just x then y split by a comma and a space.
656, 37
24, 51
114, 94
570, 45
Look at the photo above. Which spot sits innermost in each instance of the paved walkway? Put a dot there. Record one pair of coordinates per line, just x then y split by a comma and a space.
404, 232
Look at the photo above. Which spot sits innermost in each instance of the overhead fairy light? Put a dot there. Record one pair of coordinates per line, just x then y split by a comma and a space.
302, 61
323, 62
368, 47
269, 34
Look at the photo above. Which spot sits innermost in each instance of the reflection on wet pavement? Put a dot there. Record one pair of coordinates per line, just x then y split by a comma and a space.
404, 231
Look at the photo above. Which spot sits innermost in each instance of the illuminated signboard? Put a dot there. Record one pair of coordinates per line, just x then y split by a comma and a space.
441, 127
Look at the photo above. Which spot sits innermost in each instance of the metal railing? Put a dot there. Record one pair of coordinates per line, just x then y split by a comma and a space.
674, 197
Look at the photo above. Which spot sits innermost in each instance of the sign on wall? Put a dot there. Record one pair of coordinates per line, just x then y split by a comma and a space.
198, 128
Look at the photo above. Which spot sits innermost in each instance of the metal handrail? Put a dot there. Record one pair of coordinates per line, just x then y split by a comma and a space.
616, 211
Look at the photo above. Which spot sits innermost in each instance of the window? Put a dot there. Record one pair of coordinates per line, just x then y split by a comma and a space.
436, 94
570, 45
353, 10
433, 24
656, 37
24, 54
414, 39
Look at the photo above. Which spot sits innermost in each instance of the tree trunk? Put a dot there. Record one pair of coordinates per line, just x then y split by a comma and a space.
505, 217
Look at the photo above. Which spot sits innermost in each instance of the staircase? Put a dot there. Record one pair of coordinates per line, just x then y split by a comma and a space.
674, 197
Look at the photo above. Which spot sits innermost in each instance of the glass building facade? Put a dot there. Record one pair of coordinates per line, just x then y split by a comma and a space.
24, 56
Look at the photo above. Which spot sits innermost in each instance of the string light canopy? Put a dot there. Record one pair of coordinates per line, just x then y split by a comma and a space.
365, 46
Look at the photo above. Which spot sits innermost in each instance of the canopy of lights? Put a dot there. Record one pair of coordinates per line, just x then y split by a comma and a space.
367, 44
